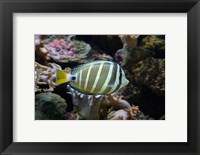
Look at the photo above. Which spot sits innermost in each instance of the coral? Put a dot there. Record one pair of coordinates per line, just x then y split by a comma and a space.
45, 75
42, 55
92, 107
124, 114
49, 106
133, 111
151, 73
129, 41
122, 109
103, 57
66, 50
117, 103
118, 115
87, 106
141, 57
154, 43
127, 57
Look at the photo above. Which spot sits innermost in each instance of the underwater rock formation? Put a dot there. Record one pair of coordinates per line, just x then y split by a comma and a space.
49, 106
127, 57
151, 73
154, 43
65, 50
45, 75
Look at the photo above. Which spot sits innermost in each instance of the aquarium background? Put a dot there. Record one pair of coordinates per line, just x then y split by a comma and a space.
142, 58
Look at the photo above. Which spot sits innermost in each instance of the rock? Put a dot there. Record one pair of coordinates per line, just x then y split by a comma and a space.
151, 73
154, 43
147, 86
128, 57
49, 106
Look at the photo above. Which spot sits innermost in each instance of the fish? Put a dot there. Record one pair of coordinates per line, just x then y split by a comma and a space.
94, 78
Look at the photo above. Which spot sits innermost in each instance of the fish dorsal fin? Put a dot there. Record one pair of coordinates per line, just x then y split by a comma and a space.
78, 68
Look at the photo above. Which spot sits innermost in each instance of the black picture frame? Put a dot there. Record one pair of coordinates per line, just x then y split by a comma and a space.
8, 7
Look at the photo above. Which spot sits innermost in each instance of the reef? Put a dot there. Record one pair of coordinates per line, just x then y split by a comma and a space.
66, 49
142, 57
45, 75
154, 43
49, 106
150, 72
91, 107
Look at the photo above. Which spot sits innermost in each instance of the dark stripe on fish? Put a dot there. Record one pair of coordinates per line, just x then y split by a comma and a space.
120, 80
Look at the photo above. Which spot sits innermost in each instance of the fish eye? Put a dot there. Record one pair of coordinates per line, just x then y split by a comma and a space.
73, 78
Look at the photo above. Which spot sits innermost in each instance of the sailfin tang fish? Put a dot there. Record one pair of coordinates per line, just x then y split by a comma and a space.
98, 77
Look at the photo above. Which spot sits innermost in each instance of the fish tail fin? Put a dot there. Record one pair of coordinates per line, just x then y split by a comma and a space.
61, 77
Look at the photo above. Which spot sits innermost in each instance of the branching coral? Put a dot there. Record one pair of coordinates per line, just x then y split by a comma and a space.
45, 75
65, 49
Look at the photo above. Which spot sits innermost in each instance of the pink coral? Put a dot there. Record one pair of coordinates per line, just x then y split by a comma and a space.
62, 49
65, 49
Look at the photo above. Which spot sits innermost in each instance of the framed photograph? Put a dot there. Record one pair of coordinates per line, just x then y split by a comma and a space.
99, 77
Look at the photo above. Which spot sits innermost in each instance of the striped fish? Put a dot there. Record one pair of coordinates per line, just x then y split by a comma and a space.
98, 77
